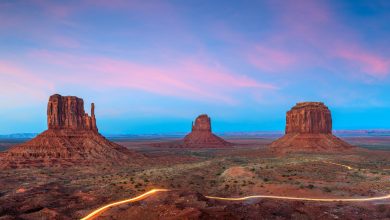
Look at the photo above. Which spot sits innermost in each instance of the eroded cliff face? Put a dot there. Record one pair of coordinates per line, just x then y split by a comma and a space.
202, 123
72, 138
67, 112
309, 128
309, 118
201, 135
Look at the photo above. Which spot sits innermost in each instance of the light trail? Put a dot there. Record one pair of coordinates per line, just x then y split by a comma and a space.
301, 198
346, 166
100, 210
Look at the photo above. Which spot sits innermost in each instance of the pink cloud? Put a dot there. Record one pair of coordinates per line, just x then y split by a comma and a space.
270, 59
369, 63
19, 86
65, 42
57, 10
187, 77
321, 36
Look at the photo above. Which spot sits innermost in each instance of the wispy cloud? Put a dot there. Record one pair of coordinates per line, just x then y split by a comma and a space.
364, 61
315, 25
306, 34
19, 86
271, 59
188, 77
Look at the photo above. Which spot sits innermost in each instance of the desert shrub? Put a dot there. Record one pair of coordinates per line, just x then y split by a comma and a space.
8, 211
381, 208
310, 186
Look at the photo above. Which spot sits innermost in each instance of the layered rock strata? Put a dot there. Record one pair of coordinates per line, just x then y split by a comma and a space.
201, 135
72, 138
309, 129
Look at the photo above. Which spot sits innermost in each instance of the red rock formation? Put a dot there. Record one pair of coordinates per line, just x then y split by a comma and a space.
67, 112
309, 118
72, 138
309, 128
201, 135
202, 123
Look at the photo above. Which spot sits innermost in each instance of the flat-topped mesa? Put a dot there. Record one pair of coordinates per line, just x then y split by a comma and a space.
202, 123
67, 112
309, 129
309, 118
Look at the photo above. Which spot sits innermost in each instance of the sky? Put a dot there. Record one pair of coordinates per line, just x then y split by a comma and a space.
153, 66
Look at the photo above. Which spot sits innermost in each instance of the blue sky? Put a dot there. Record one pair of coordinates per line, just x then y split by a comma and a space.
153, 66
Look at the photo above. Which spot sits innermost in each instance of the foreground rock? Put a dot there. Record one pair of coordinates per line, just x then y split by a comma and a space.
201, 135
309, 129
72, 138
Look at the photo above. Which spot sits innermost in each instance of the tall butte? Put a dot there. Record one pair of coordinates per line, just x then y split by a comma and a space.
201, 135
309, 129
72, 137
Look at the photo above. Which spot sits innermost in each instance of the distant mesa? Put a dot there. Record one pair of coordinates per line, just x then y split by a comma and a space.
201, 135
309, 129
72, 137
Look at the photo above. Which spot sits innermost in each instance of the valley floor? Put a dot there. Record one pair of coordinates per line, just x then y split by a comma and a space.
191, 174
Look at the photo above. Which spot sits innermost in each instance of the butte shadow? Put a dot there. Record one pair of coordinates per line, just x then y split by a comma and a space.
309, 129
72, 138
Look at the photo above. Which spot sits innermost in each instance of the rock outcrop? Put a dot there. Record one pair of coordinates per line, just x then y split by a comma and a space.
67, 112
309, 118
72, 138
309, 129
201, 135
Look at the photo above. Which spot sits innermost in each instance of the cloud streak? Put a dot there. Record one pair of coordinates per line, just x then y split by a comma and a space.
187, 78
19, 86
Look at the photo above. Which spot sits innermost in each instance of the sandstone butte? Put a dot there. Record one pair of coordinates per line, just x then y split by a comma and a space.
201, 135
309, 129
72, 137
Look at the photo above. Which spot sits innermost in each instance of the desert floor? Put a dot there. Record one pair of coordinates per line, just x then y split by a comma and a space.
246, 169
